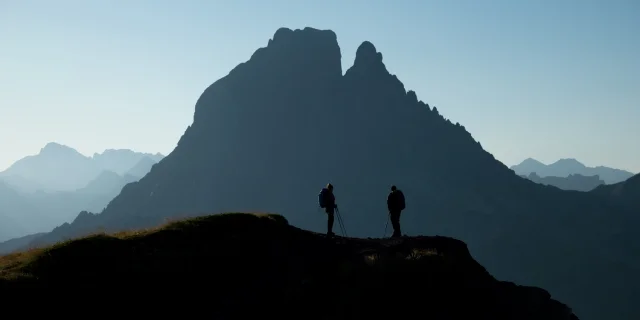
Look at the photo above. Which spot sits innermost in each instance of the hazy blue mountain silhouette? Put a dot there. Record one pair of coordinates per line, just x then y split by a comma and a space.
108, 182
55, 168
142, 167
17, 242
18, 215
10, 229
575, 182
23, 213
566, 167
20, 183
278, 127
61, 168
121, 161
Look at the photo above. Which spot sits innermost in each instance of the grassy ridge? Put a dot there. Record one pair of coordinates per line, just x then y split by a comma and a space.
248, 263
34, 262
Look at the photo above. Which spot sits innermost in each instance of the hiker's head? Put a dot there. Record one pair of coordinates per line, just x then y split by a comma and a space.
330, 186
393, 188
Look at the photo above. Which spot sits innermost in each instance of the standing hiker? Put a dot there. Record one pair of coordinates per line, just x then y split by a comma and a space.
328, 202
395, 204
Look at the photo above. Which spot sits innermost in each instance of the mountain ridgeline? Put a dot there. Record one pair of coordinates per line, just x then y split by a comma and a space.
575, 182
42, 191
61, 168
278, 127
567, 167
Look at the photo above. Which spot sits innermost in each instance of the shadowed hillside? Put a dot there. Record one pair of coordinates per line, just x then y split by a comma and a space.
261, 264
271, 133
626, 193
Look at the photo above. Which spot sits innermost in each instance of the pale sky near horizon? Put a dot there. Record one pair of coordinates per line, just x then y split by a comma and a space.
542, 79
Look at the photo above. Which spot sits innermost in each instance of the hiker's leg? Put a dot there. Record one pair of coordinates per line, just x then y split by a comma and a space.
330, 221
395, 222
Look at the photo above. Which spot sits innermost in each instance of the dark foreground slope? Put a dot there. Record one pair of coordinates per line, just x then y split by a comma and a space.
252, 263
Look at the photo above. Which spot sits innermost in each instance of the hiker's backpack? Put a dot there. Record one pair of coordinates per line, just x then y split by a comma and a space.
322, 197
397, 200
400, 196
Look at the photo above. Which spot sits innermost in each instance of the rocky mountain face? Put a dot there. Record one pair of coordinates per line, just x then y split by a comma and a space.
278, 127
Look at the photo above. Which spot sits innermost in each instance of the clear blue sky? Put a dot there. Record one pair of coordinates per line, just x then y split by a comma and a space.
544, 79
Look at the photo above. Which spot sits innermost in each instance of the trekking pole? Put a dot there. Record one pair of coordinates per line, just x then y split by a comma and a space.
339, 221
344, 230
385, 227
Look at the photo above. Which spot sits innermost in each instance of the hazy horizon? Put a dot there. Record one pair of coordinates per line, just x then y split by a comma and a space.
90, 154
124, 75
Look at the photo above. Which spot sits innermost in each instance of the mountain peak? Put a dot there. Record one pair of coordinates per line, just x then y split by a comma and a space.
569, 160
530, 161
285, 35
367, 54
296, 45
54, 147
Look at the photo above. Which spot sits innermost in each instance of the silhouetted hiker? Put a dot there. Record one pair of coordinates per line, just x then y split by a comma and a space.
328, 202
395, 204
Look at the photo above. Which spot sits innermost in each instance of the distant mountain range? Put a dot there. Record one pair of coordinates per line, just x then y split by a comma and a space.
40, 192
575, 182
61, 168
567, 167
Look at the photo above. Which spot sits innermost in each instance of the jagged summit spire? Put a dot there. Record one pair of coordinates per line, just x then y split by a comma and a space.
367, 54
368, 65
